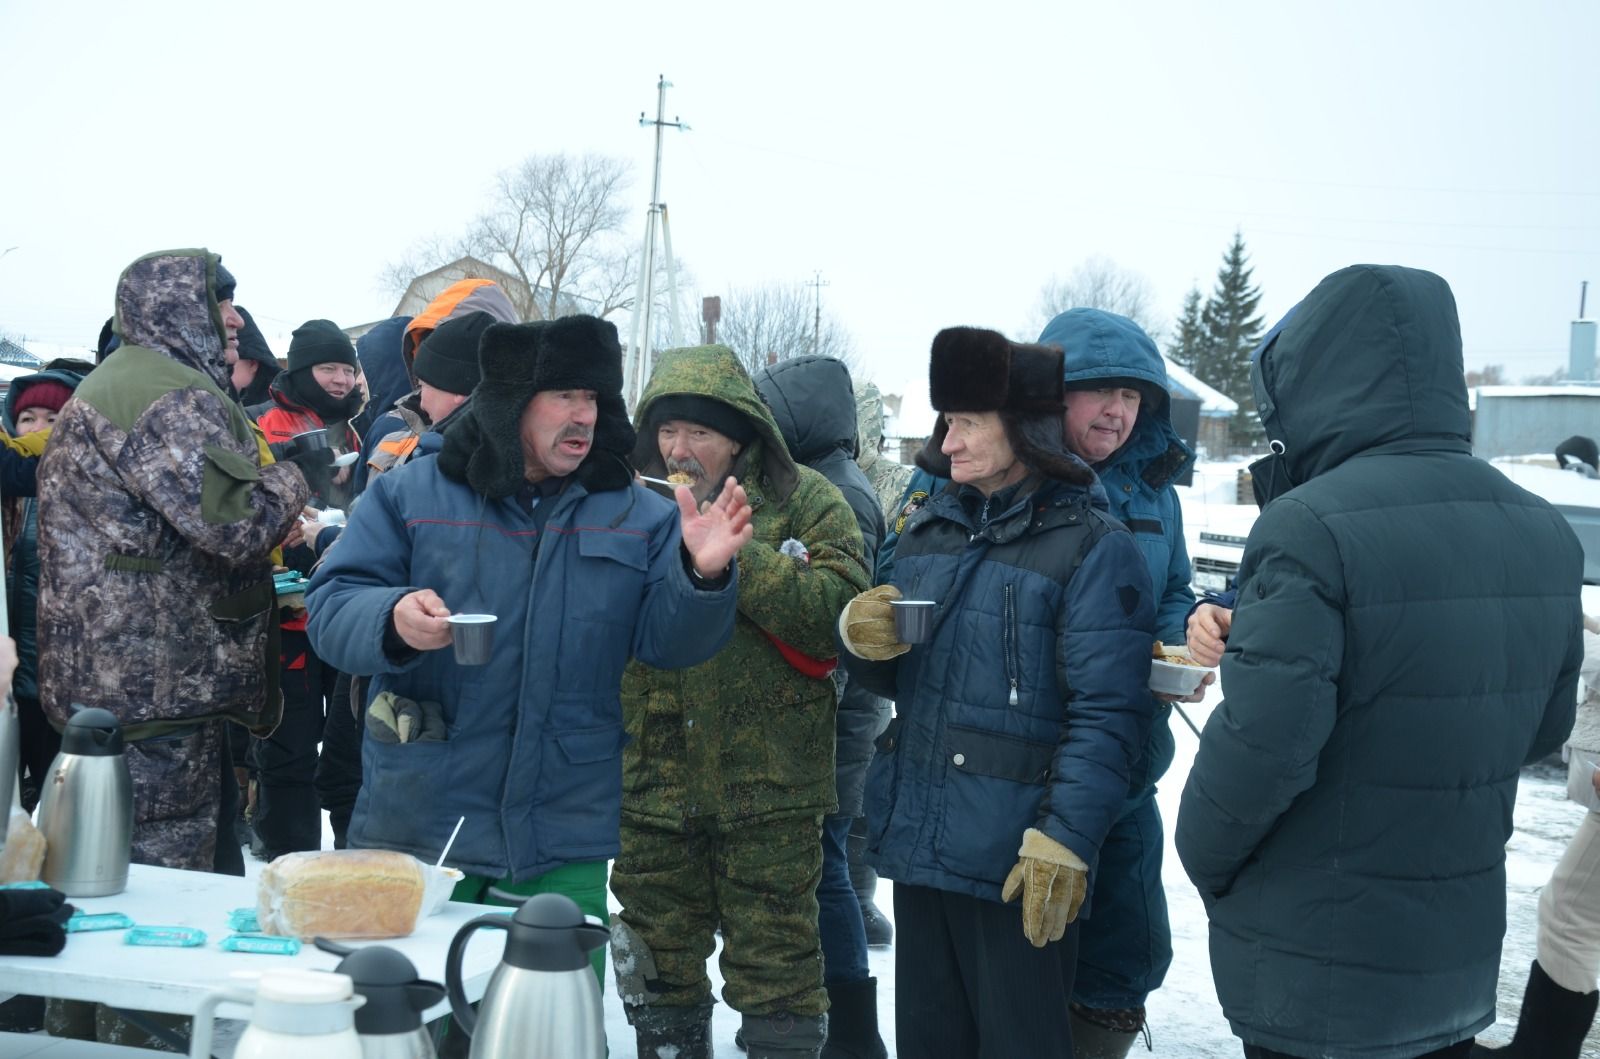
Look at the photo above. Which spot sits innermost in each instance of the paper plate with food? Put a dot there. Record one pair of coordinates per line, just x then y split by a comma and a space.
1173, 672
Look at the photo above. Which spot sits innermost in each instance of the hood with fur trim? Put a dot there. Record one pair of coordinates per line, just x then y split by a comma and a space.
715, 372
483, 442
972, 369
166, 301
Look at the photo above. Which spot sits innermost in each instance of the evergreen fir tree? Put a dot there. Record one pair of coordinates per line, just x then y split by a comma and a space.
1189, 333
1232, 330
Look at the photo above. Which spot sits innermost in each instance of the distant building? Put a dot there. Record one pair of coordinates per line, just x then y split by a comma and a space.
1217, 409
1521, 420
16, 356
429, 285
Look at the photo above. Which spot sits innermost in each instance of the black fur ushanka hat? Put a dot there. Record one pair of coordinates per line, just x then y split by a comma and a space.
973, 369
484, 446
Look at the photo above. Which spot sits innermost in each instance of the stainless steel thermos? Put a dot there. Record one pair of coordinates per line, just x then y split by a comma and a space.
86, 812
543, 999
390, 1022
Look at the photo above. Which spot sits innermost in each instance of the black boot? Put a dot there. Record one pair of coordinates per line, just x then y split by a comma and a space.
853, 1022
783, 1035
672, 1033
880, 932
1553, 1022
1104, 1034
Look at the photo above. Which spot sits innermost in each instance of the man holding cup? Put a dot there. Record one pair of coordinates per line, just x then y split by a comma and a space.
526, 511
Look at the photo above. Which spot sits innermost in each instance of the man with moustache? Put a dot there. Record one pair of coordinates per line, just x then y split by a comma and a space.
731, 766
525, 510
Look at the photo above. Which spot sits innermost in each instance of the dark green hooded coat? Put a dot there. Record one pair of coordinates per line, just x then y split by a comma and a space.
1407, 636
746, 735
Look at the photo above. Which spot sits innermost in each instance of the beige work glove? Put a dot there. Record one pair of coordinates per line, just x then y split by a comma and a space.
392, 719
866, 625
1052, 880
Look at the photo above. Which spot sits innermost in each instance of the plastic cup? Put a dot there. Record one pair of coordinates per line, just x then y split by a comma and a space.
473, 637
913, 619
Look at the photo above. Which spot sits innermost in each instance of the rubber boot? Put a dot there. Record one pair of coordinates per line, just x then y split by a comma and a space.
864, 880
853, 1022
672, 1033
1553, 1023
783, 1036
1098, 1034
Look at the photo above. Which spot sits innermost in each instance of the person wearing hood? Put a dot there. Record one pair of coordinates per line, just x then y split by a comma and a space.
526, 510
1117, 419
1356, 886
393, 439
1020, 713
252, 367
730, 769
32, 405
384, 367
156, 523
888, 477
814, 404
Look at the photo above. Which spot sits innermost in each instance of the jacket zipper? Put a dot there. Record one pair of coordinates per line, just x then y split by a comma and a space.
1009, 643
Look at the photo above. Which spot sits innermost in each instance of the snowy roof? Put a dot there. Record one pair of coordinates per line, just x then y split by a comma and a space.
1183, 383
1560, 389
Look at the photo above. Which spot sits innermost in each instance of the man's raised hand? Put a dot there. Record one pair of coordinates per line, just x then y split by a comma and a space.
713, 535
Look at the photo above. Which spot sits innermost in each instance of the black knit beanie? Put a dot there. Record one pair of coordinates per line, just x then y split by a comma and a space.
448, 358
225, 283
707, 411
321, 342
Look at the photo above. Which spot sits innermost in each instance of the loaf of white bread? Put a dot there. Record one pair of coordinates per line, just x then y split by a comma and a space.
341, 893
23, 858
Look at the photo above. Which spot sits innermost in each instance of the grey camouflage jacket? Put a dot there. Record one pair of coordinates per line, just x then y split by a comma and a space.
156, 521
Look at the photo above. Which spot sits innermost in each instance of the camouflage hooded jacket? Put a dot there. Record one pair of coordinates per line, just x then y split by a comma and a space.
156, 519
746, 735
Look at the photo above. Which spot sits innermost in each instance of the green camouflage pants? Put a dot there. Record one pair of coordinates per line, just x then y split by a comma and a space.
757, 882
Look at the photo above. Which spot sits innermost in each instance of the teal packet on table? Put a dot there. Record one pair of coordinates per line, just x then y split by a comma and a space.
169, 937
244, 921
34, 884
263, 943
82, 921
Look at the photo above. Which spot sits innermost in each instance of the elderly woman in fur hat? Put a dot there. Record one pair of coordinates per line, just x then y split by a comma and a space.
1019, 713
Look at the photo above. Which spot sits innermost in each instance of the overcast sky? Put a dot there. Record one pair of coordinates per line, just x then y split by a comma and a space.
936, 162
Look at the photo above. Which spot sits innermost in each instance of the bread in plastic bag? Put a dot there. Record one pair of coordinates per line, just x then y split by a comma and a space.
342, 893
23, 858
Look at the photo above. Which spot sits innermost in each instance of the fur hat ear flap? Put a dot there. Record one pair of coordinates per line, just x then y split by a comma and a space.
930, 457
483, 446
969, 370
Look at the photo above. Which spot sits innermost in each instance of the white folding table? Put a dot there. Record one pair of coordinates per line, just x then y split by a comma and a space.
100, 967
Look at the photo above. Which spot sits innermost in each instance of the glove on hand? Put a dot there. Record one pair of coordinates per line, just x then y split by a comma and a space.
392, 719
866, 625
1052, 880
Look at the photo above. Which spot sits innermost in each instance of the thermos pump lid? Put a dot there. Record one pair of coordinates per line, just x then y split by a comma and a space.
92, 732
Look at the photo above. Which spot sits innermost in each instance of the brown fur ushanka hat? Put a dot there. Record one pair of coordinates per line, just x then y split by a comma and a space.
973, 369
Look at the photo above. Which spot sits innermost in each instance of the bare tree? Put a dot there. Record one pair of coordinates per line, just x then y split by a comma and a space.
777, 321
1491, 375
1101, 283
556, 223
